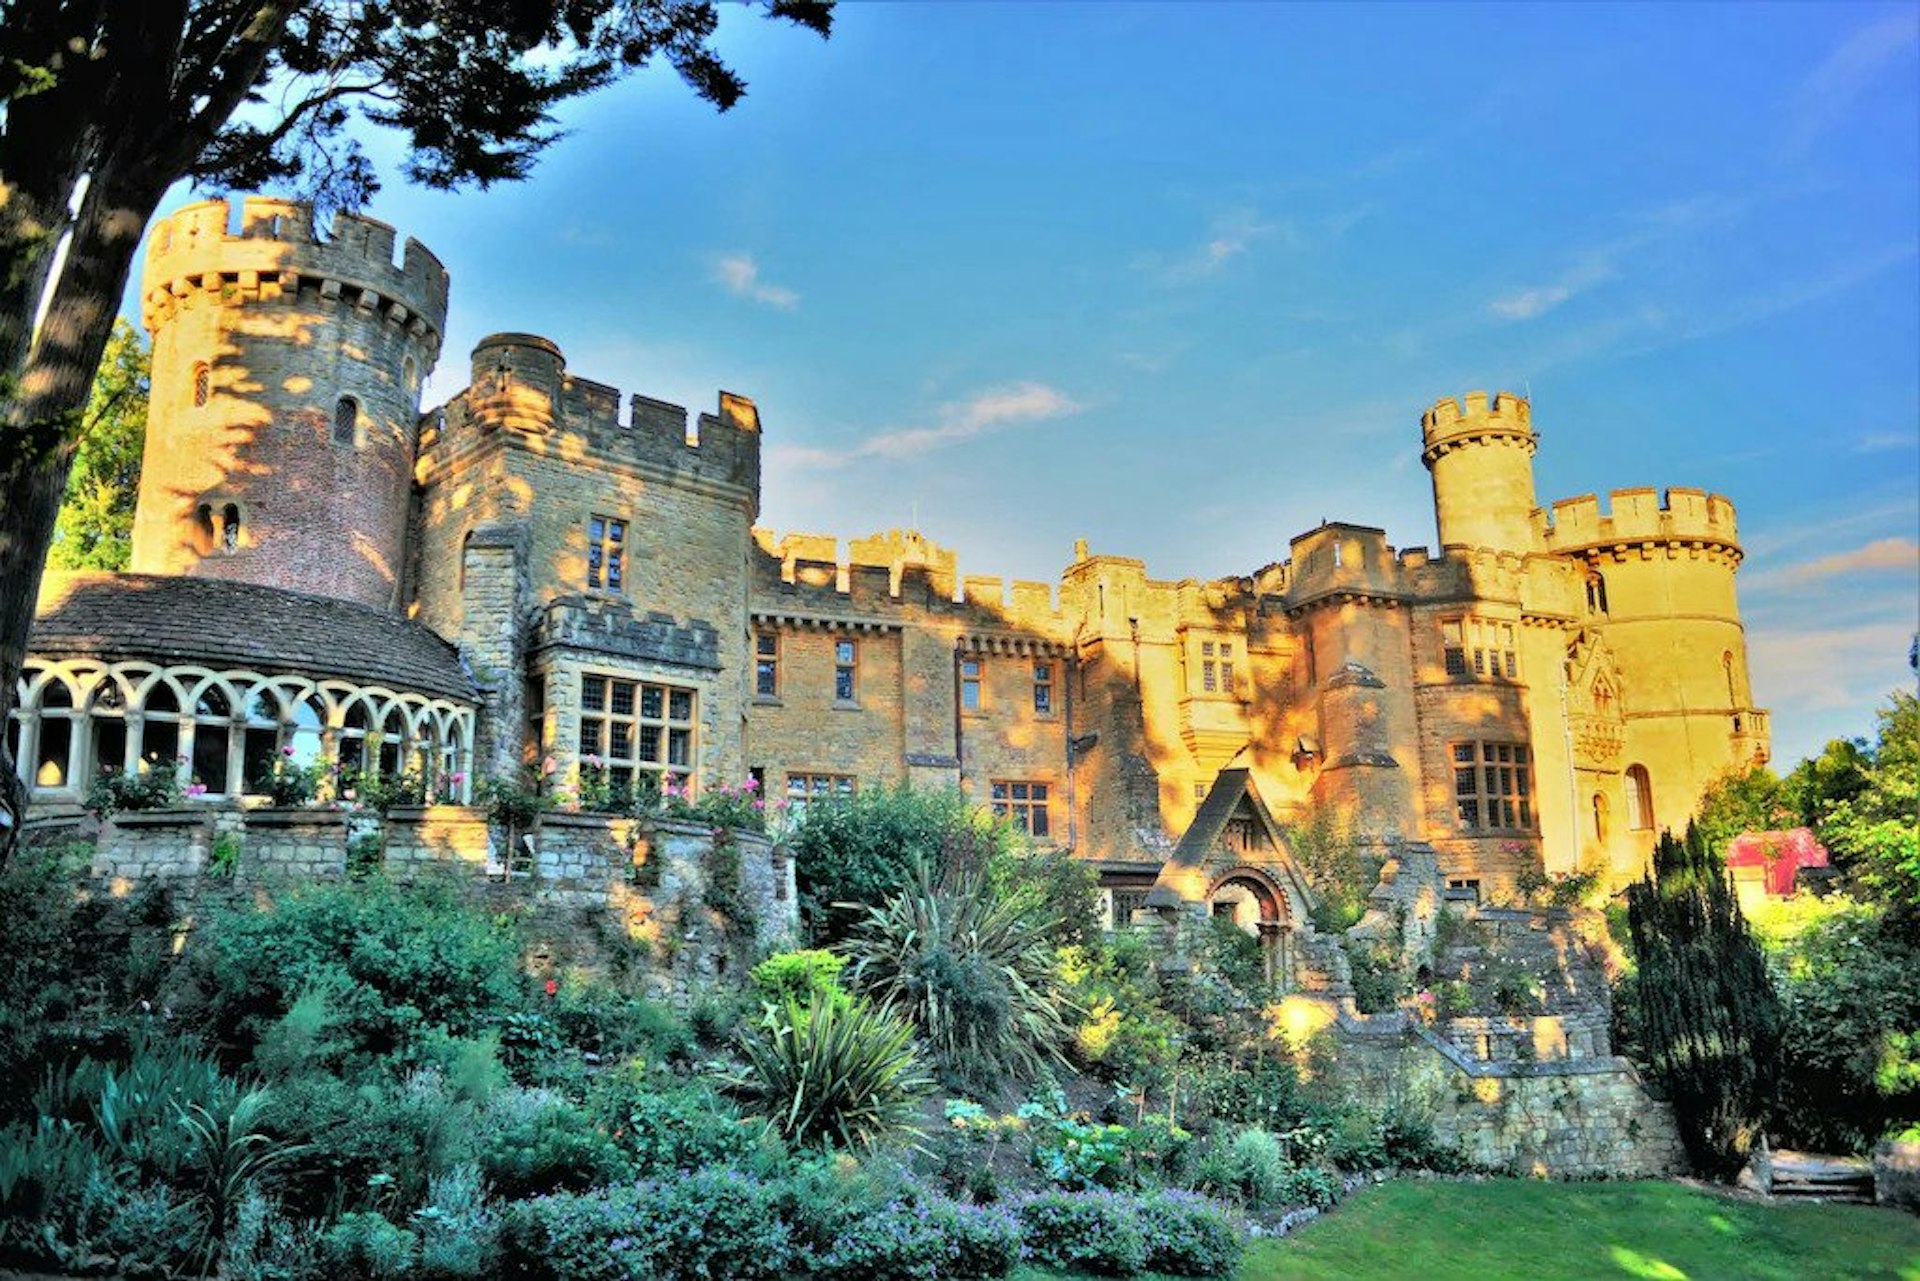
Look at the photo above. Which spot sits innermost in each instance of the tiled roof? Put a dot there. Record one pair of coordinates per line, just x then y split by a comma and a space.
216, 623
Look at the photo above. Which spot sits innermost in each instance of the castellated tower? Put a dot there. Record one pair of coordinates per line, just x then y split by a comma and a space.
1481, 457
285, 404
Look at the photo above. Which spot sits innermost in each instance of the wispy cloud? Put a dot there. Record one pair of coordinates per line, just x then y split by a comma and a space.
1823, 99
1538, 300
1598, 264
1882, 554
1810, 669
740, 274
1229, 236
1875, 442
985, 412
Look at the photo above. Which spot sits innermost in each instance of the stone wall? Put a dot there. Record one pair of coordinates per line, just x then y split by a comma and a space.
1558, 1118
684, 908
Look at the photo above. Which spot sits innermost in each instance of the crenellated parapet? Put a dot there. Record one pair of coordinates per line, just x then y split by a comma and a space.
520, 383
894, 574
1640, 522
1503, 419
194, 256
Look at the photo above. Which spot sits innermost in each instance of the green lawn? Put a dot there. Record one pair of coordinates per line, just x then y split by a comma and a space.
1438, 1231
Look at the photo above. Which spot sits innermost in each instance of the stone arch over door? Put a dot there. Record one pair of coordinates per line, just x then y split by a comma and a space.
1257, 904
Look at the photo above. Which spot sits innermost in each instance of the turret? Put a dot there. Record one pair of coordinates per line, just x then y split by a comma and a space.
1481, 457
285, 401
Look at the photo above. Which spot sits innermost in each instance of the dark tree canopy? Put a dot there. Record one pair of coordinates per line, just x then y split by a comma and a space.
105, 104
96, 519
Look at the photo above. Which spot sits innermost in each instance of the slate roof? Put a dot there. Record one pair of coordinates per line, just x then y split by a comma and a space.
215, 623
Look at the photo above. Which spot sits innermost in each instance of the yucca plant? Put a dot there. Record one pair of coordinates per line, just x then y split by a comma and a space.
840, 1075
971, 965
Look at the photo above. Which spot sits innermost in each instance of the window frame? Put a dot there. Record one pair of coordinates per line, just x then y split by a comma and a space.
1043, 687
1495, 778
817, 786
1638, 783
846, 671
1013, 799
603, 712
973, 686
607, 544
346, 412
766, 664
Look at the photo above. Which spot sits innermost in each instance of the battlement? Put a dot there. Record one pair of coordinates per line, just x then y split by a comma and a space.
902, 568
1505, 418
275, 252
1636, 517
521, 382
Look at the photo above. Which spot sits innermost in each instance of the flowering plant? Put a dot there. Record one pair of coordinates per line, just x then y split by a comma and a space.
156, 787
290, 785
735, 807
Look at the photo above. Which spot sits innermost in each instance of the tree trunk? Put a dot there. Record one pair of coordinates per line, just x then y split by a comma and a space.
49, 377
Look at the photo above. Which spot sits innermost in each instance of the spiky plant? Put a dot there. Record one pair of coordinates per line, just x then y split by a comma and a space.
834, 1075
971, 965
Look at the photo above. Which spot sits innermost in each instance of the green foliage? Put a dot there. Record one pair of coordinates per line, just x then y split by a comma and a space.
224, 858
391, 961
697, 1225
661, 1125
854, 852
810, 976
1123, 1034
458, 1230
1708, 1017
1742, 800
514, 803
1851, 1052
1098, 1232
1056, 885
834, 1076
156, 787
534, 1142
372, 1144
1342, 875
970, 965
1380, 977
95, 527
365, 1244
923, 1236
289, 785
1875, 831
1235, 955
1188, 1235
41, 959
728, 807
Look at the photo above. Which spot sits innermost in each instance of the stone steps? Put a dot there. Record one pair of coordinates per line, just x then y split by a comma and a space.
1810, 1176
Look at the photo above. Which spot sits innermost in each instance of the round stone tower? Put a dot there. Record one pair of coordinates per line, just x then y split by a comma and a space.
286, 398
1481, 457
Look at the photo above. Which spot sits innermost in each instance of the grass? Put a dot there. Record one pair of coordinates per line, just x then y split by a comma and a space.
1439, 1231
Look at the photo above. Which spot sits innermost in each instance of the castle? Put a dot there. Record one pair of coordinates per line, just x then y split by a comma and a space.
534, 571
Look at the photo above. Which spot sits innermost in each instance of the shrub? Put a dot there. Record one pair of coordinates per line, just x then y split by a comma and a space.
834, 1076
1123, 1033
1257, 1167
156, 787
1410, 1144
1261, 1090
969, 966
853, 852
392, 961
806, 977
660, 1126
1188, 1235
366, 1143
532, 1142
459, 1232
1709, 1017
930, 1237
1379, 979
362, 1244
1097, 1232
710, 1223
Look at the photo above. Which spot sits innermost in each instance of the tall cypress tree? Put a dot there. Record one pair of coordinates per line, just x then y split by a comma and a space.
1710, 1019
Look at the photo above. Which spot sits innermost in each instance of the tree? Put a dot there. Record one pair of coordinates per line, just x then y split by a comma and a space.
1874, 831
105, 104
95, 527
1741, 800
1709, 1019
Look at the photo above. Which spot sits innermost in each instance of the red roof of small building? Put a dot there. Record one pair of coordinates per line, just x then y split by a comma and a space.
1783, 854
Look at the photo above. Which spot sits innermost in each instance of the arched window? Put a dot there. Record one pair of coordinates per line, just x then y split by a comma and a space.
203, 541
346, 420
53, 746
1639, 799
202, 384
261, 748
410, 375
309, 728
1599, 817
212, 752
1733, 694
107, 717
159, 726
1596, 592
230, 528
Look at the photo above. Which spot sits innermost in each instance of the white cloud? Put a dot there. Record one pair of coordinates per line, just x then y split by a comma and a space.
1882, 554
991, 410
1229, 236
740, 274
1829, 91
1877, 441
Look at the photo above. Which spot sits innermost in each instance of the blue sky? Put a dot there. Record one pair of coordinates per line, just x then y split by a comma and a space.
1179, 279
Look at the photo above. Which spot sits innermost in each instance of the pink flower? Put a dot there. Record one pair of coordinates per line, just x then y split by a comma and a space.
460, 776
287, 750
197, 789
548, 765
553, 987
750, 784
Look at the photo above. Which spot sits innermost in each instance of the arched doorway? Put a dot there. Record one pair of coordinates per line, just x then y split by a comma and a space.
1249, 899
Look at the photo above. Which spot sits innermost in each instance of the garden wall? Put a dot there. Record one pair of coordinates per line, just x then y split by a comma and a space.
681, 906
1564, 1117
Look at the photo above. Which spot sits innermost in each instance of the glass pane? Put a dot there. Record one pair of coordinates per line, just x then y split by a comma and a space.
596, 531
767, 643
593, 693
109, 744
210, 747
161, 698
263, 706
1463, 751
1040, 792
623, 692
212, 702
679, 747
843, 651
999, 791
765, 679
589, 736
56, 736
161, 741
616, 530
262, 748
649, 743
650, 701
843, 684
1039, 825
680, 705
307, 713
358, 717
620, 744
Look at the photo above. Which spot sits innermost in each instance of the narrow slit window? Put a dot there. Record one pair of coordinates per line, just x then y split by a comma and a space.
346, 420
202, 384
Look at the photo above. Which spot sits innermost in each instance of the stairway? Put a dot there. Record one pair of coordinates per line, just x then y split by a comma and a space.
1811, 1176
